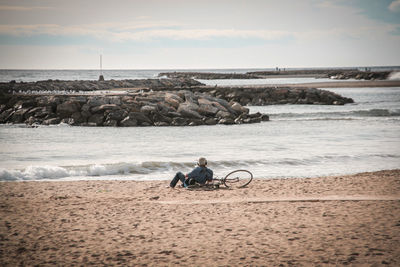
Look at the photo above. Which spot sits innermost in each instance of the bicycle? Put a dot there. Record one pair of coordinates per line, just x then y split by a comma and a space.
234, 179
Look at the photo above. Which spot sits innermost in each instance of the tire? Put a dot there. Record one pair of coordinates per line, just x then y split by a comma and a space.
238, 179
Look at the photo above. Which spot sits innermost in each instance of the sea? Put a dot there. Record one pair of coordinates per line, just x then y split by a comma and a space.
298, 141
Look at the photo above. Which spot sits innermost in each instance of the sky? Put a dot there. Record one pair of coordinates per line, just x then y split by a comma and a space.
184, 34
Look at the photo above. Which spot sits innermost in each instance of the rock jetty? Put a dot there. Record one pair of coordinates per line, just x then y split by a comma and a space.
360, 75
155, 108
149, 102
261, 96
208, 75
342, 74
306, 72
77, 86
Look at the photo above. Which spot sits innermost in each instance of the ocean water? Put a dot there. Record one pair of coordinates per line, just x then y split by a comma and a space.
298, 141
40, 75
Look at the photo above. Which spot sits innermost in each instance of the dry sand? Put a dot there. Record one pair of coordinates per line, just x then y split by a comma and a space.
342, 220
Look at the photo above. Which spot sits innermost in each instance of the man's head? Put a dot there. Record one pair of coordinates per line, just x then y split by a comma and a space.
202, 162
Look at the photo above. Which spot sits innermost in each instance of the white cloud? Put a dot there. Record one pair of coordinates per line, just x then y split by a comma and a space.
200, 34
23, 8
395, 6
330, 4
139, 32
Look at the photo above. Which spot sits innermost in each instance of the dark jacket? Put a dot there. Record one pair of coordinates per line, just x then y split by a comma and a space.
201, 174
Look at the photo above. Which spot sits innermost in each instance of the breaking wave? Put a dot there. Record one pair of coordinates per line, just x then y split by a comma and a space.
394, 76
339, 115
160, 169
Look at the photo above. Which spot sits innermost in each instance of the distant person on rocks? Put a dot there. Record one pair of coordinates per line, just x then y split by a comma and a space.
200, 174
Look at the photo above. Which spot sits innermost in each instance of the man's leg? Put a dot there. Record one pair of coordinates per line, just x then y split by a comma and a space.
178, 176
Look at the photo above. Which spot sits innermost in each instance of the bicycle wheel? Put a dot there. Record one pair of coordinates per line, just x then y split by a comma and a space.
238, 179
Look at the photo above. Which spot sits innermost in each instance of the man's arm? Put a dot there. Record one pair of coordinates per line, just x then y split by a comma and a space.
210, 176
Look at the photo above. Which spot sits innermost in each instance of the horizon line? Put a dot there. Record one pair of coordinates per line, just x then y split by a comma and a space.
209, 68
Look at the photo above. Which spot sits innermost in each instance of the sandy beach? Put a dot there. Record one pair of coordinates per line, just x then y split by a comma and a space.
301, 222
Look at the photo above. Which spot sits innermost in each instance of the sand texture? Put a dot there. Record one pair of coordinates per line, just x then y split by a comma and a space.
328, 221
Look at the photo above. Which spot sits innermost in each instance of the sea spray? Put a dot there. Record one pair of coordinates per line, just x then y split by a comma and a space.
394, 76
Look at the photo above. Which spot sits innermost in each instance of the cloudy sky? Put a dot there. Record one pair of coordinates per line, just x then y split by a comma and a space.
158, 34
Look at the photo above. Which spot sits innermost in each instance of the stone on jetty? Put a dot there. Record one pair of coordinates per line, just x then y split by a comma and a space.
158, 108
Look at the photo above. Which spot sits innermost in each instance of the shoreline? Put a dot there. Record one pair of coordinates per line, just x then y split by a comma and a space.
347, 219
168, 179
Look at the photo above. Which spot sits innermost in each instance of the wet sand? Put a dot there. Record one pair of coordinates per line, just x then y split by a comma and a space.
343, 220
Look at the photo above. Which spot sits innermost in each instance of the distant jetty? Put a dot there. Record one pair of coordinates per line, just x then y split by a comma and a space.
342, 74
88, 85
208, 75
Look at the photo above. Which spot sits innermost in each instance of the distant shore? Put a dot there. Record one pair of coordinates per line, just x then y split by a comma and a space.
339, 220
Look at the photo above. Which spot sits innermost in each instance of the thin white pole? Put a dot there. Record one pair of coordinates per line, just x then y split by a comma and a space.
101, 65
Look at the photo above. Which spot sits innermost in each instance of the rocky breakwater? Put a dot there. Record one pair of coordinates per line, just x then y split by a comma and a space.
207, 75
158, 108
359, 75
77, 86
261, 96
299, 72
339, 74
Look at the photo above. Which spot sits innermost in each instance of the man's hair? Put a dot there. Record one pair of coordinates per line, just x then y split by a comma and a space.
202, 162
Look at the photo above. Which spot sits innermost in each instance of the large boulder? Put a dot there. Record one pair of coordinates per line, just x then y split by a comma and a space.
188, 105
5, 115
204, 101
96, 119
188, 113
18, 115
178, 121
102, 108
224, 114
207, 110
210, 121
239, 108
141, 118
97, 101
128, 122
147, 109
66, 109
173, 100
117, 115
78, 118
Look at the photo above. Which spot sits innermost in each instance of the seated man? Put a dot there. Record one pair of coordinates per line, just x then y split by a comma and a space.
200, 174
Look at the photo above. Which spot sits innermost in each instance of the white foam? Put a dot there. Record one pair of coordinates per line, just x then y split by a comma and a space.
394, 76
34, 173
96, 170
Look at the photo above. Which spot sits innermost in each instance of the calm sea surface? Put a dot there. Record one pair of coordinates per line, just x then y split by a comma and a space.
299, 141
